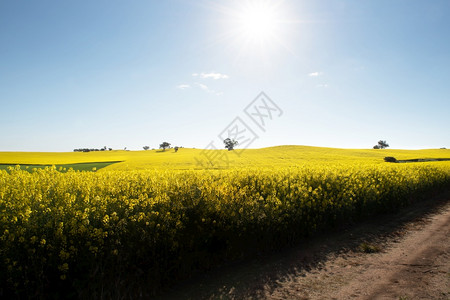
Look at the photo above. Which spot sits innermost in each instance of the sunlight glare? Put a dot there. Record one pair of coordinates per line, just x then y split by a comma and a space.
258, 21
256, 33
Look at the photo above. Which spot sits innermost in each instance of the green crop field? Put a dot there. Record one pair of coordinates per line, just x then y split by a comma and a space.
157, 216
93, 166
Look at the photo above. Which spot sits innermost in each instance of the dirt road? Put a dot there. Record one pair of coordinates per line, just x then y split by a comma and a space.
400, 256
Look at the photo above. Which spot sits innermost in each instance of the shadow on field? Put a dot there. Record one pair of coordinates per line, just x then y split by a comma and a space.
88, 166
259, 276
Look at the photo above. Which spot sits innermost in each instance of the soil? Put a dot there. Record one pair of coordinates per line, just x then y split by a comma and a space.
397, 256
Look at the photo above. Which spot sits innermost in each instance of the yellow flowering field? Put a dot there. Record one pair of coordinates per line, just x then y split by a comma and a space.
79, 233
187, 158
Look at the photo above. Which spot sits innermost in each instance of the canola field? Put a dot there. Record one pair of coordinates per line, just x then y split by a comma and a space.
188, 158
155, 217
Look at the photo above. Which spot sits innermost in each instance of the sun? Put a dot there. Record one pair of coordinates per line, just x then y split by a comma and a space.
254, 33
257, 21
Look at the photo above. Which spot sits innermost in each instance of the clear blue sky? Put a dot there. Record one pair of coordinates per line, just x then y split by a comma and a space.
77, 74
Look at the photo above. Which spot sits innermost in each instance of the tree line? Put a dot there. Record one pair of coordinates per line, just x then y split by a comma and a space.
92, 149
229, 145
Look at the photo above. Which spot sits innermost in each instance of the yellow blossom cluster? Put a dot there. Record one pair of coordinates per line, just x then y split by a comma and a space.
62, 230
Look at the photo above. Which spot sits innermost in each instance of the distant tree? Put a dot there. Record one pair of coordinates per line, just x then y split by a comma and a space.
110, 149
390, 159
88, 149
230, 144
146, 147
382, 144
176, 148
376, 147
164, 145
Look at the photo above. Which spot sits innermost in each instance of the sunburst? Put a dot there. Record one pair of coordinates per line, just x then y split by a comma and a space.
258, 21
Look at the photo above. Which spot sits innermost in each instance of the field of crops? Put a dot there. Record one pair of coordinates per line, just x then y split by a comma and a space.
156, 217
187, 158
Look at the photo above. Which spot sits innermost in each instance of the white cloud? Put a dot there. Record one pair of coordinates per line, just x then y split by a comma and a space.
214, 75
315, 74
207, 89
183, 86
211, 75
202, 86
323, 85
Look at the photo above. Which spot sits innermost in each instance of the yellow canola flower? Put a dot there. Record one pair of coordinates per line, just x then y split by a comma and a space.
59, 219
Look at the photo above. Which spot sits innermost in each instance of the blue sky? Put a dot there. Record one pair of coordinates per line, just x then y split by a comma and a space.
77, 74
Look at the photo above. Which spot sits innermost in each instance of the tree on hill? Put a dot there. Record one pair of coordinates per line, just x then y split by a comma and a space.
230, 144
176, 148
89, 149
146, 147
164, 145
381, 145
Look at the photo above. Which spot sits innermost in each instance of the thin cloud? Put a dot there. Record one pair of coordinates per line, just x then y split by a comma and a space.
324, 85
199, 84
205, 88
183, 86
315, 74
202, 86
211, 75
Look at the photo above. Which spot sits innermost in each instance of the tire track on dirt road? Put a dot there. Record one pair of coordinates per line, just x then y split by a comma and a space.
413, 262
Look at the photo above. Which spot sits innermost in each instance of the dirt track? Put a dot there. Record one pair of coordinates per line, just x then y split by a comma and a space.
411, 261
